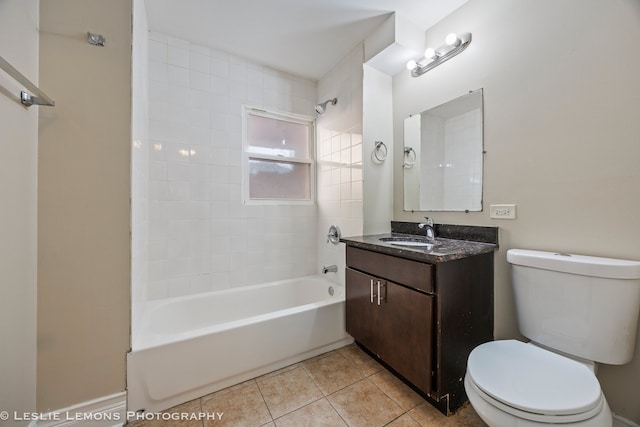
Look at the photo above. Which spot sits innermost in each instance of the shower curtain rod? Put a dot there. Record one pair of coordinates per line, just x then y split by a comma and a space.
26, 99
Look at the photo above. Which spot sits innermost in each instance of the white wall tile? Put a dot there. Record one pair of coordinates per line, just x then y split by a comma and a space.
173, 41
178, 95
200, 81
178, 171
178, 56
158, 71
158, 110
158, 51
178, 76
219, 67
201, 236
200, 62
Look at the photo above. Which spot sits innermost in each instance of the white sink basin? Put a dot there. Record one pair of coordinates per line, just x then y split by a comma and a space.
407, 241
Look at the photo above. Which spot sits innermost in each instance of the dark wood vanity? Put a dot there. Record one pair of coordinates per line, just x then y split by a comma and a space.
421, 311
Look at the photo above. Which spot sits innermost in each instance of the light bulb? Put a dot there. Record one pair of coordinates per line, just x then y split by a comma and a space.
453, 40
430, 54
411, 64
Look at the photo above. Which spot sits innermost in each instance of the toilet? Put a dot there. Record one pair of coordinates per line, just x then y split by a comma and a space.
575, 310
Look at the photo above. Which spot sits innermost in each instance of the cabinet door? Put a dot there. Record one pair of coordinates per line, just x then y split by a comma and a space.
361, 314
405, 333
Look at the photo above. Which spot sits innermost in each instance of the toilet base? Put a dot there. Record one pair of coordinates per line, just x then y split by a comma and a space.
495, 417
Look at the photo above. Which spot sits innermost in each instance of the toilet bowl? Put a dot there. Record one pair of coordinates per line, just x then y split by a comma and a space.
511, 383
576, 310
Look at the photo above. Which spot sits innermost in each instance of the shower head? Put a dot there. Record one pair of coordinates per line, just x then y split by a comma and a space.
322, 108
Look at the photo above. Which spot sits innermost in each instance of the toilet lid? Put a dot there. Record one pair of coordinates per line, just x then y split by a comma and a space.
532, 379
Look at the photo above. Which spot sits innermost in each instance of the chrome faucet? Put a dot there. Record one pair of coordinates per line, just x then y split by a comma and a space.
330, 268
428, 228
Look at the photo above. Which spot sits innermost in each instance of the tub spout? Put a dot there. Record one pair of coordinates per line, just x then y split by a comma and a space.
331, 268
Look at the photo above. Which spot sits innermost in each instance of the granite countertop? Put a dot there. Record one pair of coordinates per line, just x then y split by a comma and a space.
444, 249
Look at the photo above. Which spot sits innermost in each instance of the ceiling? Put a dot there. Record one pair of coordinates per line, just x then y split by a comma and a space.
302, 37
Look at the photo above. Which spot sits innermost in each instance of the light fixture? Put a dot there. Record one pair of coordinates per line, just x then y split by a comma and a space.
430, 54
454, 44
322, 107
453, 40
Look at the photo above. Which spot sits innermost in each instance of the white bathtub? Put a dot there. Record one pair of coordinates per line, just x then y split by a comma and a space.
190, 346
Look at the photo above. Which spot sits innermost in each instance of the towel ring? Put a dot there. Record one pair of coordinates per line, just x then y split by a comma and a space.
379, 154
409, 158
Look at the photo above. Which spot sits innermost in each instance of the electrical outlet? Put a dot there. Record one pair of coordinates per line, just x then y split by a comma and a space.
503, 211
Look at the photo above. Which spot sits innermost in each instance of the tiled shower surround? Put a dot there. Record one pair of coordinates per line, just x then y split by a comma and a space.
201, 236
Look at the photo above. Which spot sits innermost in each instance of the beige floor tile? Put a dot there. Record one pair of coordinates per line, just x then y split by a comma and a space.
404, 421
397, 390
230, 388
363, 404
360, 359
318, 414
279, 371
288, 391
428, 416
192, 407
242, 406
361, 393
318, 357
333, 372
468, 417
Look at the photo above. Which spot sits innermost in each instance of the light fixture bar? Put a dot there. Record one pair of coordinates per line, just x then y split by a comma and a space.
444, 53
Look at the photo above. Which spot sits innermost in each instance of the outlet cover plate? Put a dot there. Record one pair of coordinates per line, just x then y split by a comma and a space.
502, 211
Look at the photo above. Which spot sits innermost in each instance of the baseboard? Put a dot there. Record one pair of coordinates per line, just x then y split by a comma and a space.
107, 411
619, 421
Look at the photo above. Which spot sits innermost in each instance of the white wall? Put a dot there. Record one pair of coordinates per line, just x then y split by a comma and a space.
84, 202
378, 175
562, 135
201, 236
18, 191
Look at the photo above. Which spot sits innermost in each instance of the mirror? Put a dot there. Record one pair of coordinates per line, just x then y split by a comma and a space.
443, 150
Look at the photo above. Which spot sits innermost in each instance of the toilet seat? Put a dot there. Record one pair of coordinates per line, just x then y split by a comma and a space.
532, 383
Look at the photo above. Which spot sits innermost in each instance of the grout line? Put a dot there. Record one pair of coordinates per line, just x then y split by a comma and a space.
337, 412
303, 406
297, 409
264, 400
360, 368
201, 411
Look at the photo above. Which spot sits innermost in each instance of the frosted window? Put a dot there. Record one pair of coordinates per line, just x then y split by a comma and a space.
278, 163
279, 180
277, 137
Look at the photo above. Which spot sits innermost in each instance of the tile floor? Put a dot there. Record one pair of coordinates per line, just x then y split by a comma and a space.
344, 387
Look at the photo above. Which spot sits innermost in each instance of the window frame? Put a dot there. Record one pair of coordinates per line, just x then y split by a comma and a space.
308, 121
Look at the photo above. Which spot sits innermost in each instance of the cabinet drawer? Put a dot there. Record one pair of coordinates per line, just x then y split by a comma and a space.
414, 274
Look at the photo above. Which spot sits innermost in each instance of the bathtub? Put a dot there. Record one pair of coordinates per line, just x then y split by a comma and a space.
190, 346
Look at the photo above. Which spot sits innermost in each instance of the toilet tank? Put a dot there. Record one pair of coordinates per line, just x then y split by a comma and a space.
581, 305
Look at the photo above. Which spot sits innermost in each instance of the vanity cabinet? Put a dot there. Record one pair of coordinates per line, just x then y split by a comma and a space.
421, 319
378, 312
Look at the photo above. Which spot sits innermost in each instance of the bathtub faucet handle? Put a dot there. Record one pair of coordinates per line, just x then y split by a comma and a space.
334, 235
331, 268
